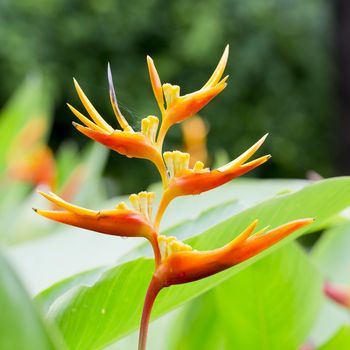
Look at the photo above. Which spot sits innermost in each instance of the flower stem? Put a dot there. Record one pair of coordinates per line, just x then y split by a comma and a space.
166, 198
152, 292
156, 251
162, 171
161, 135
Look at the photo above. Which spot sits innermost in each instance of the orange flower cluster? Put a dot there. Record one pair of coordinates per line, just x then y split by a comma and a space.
175, 261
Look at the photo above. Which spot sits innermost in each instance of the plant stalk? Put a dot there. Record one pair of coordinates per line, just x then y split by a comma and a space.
152, 292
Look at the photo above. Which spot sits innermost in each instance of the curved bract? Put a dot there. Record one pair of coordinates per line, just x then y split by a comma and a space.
182, 264
120, 221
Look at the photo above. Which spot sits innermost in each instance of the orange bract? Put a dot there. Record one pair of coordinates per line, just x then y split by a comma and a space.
37, 167
185, 181
175, 108
120, 221
184, 265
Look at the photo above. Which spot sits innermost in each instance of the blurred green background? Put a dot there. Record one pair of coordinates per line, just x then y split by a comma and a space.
280, 67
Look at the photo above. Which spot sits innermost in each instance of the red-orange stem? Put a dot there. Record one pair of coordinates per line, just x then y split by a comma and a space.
152, 292
156, 251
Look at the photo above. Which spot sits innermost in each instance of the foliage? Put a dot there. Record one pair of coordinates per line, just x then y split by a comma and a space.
276, 285
126, 283
21, 326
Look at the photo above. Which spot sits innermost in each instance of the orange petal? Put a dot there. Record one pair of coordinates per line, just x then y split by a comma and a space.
37, 167
244, 156
86, 121
216, 76
257, 243
190, 104
59, 202
118, 222
156, 83
91, 109
126, 143
196, 183
188, 266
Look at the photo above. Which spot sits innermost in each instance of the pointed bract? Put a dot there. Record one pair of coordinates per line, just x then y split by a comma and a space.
181, 264
120, 221
184, 181
156, 83
176, 108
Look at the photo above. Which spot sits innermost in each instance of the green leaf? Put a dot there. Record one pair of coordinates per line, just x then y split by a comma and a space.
271, 304
94, 159
340, 341
331, 254
199, 326
96, 314
21, 326
67, 158
31, 100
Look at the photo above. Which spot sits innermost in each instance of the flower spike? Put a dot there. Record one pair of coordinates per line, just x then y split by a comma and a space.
120, 221
175, 262
184, 181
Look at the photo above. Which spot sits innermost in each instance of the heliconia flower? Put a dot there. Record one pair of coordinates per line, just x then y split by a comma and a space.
181, 264
126, 141
36, 167
185, 181
120, 221
175, 261
194, 133
338, 293
176, 108
37, 164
